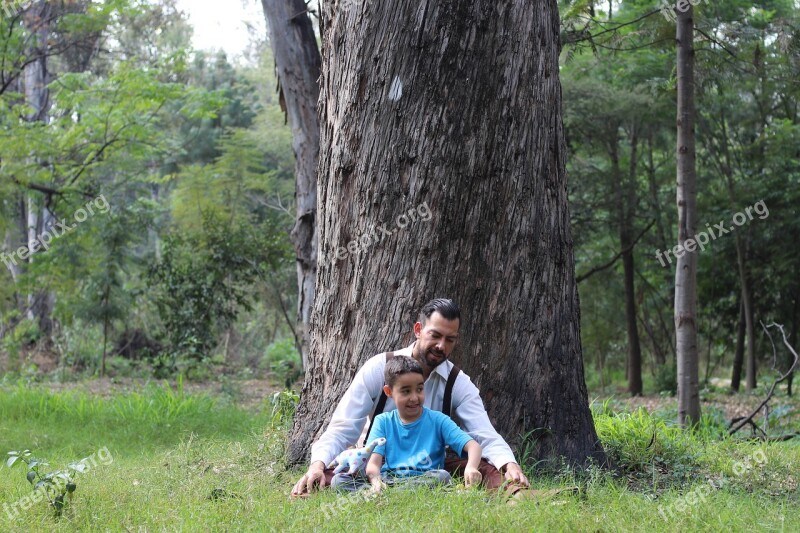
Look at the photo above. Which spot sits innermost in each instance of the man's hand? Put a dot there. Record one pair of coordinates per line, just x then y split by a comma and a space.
472, 476
514, 473
306, 483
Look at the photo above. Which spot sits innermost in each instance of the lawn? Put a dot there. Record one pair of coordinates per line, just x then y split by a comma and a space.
166, 459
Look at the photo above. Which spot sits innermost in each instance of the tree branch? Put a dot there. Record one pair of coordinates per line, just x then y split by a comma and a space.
748, 419
614, 259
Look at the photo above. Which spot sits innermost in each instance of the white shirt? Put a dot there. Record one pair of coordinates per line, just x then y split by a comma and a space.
351, 416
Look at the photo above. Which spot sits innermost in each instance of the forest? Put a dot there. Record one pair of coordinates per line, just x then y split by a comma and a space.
199, 252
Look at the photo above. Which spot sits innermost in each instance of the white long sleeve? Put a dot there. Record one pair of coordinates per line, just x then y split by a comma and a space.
352, 413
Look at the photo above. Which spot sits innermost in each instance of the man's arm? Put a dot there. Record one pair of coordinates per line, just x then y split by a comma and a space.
352, 412
469, 409
346, 423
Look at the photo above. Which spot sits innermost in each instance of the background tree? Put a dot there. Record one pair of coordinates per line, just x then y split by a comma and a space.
686, 262
297, 63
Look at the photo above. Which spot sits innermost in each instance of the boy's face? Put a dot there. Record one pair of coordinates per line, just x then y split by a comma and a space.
408, 394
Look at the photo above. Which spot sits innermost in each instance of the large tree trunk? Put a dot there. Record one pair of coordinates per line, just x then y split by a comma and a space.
452, 106
686, 268
297, 62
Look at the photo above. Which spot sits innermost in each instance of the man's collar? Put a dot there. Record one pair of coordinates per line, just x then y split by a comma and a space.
442, 369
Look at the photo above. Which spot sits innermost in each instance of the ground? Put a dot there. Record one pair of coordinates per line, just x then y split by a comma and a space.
208, 457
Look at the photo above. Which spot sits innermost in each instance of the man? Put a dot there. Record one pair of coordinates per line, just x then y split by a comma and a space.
437, 333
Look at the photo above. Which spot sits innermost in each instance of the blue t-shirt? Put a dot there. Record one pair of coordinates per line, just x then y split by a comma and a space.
414, 448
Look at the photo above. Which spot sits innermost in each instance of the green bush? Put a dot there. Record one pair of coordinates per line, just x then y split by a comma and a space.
284, 362
666, 379
79, 345
639, 443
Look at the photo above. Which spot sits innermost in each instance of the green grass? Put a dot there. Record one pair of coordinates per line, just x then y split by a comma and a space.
172, 450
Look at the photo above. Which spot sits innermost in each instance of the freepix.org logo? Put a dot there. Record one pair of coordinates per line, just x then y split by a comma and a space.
59, 229
10, 8
701, 239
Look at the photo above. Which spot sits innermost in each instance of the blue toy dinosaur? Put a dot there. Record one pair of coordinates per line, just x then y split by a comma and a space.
355, 459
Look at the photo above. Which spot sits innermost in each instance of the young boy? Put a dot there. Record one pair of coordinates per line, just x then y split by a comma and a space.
415, 437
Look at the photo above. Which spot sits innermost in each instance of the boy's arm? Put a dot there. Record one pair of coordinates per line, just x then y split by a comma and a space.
374, 471
471, 474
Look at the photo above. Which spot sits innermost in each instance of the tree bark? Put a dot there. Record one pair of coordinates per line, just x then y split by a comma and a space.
297, 63
686, 268
450, 108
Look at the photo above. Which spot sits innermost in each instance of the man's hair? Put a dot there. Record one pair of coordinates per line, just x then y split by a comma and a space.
399, 365
444, 306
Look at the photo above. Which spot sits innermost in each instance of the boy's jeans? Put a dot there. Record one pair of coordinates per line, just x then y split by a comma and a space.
430, 478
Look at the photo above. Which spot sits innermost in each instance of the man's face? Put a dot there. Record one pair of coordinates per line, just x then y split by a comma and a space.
435, 340
408, 393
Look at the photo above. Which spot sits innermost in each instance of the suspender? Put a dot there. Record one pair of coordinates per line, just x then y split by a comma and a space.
446, 402
448, 391
379, 407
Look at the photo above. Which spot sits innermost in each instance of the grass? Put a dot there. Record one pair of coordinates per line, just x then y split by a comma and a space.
173, 452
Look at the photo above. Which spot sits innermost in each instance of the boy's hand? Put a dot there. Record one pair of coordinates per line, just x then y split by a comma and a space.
377, 485
472, 476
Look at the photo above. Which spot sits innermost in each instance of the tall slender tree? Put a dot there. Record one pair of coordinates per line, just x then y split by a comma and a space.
686, 266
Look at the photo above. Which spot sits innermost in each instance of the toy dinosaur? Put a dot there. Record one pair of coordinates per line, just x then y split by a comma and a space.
355, 459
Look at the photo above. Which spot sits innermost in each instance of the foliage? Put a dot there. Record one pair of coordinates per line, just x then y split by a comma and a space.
284, 403
25, 334
55, 486
202, 280
639, 443
284, 361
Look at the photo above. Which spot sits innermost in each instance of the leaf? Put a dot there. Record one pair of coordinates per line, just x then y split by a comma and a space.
12, 460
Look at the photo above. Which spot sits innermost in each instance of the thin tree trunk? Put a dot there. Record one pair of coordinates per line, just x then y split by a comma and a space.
741, 264
624, 206
37, 20
106, 319
629, 271
738, 358
750, 359
795, 331
686, 268
297, 63
453, 109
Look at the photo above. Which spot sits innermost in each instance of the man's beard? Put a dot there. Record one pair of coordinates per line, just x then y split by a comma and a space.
434, 358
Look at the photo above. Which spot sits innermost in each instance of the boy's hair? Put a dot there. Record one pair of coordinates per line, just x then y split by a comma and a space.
399, 365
